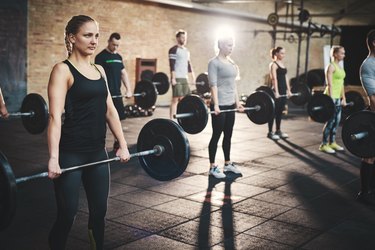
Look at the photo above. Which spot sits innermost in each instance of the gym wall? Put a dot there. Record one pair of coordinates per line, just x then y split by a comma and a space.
148, 30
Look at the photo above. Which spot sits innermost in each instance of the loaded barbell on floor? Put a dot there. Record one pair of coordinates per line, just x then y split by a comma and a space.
34, 113
300, 93
163, 152
192, 113
358, 133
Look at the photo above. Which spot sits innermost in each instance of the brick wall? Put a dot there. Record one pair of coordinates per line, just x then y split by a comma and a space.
148, 32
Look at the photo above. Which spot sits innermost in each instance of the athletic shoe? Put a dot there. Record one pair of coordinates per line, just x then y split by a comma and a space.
231, 168
215, 172
273, 136
326, 149
282, 135
336, 147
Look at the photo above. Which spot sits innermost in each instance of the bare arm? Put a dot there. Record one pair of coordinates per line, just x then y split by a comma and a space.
126, 82
57, 89
329, 75
372, 102
214, 98
273, 74
3, 108
114, 125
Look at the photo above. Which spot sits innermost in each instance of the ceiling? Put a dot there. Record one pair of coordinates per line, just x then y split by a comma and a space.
338, 11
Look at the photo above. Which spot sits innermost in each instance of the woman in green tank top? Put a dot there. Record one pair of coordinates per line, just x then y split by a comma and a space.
335, 76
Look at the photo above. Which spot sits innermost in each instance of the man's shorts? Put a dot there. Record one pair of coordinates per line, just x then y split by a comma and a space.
181, 88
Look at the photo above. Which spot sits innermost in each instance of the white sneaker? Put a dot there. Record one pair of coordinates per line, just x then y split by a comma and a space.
215, 172
273, 136
282, 134
231, 168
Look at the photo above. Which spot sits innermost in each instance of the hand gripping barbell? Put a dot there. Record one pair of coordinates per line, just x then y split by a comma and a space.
358, 133
192, 113
34, 113
163, 152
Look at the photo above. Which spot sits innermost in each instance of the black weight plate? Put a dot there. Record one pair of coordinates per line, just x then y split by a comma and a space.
326, 112
8, 193
267, 107
304, 96
174, 160
202, 84
192, 104
268, 90
357, 99
38, 122
360, 122
147, 75
161, 82
149, 99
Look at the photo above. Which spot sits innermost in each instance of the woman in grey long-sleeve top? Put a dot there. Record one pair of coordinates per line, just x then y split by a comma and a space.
222, 73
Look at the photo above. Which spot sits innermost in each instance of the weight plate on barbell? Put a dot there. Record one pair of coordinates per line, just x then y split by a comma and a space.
149, 99
192, 104
304, 92
147, 75
202, 88
362, 121
267, 107
174, 160
268, 90
161, 82
358, 104
8, 193
38, 122
325, 105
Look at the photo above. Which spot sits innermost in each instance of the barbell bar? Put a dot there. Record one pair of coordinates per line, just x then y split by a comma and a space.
358, 133
163, 152
34, 113
301, 94
192, 113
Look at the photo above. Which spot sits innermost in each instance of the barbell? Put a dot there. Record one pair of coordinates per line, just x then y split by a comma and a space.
34, 113
192, 113
301, 94
358, 133
163, 152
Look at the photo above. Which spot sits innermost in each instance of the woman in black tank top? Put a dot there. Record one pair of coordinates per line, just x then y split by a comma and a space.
280, 86
79, 88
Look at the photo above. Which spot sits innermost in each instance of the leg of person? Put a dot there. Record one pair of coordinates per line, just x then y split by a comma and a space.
175, 97
335, 126
270, 134
96, 181
324, 147
281, 107
67, 194
228, 131
366, 175
217, 128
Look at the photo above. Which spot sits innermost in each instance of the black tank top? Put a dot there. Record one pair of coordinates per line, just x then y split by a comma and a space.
84, 127
281, 80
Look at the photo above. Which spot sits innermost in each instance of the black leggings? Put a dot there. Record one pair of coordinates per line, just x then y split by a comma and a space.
279, 108
221, 123
96, 180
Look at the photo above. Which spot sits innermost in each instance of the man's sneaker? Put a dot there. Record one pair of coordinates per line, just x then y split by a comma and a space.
215, 172
231, 168
273, 136
282, 135
336, 147
326, 149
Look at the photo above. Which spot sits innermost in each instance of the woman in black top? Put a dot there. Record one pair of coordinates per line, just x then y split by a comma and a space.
79, 87
280, 86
